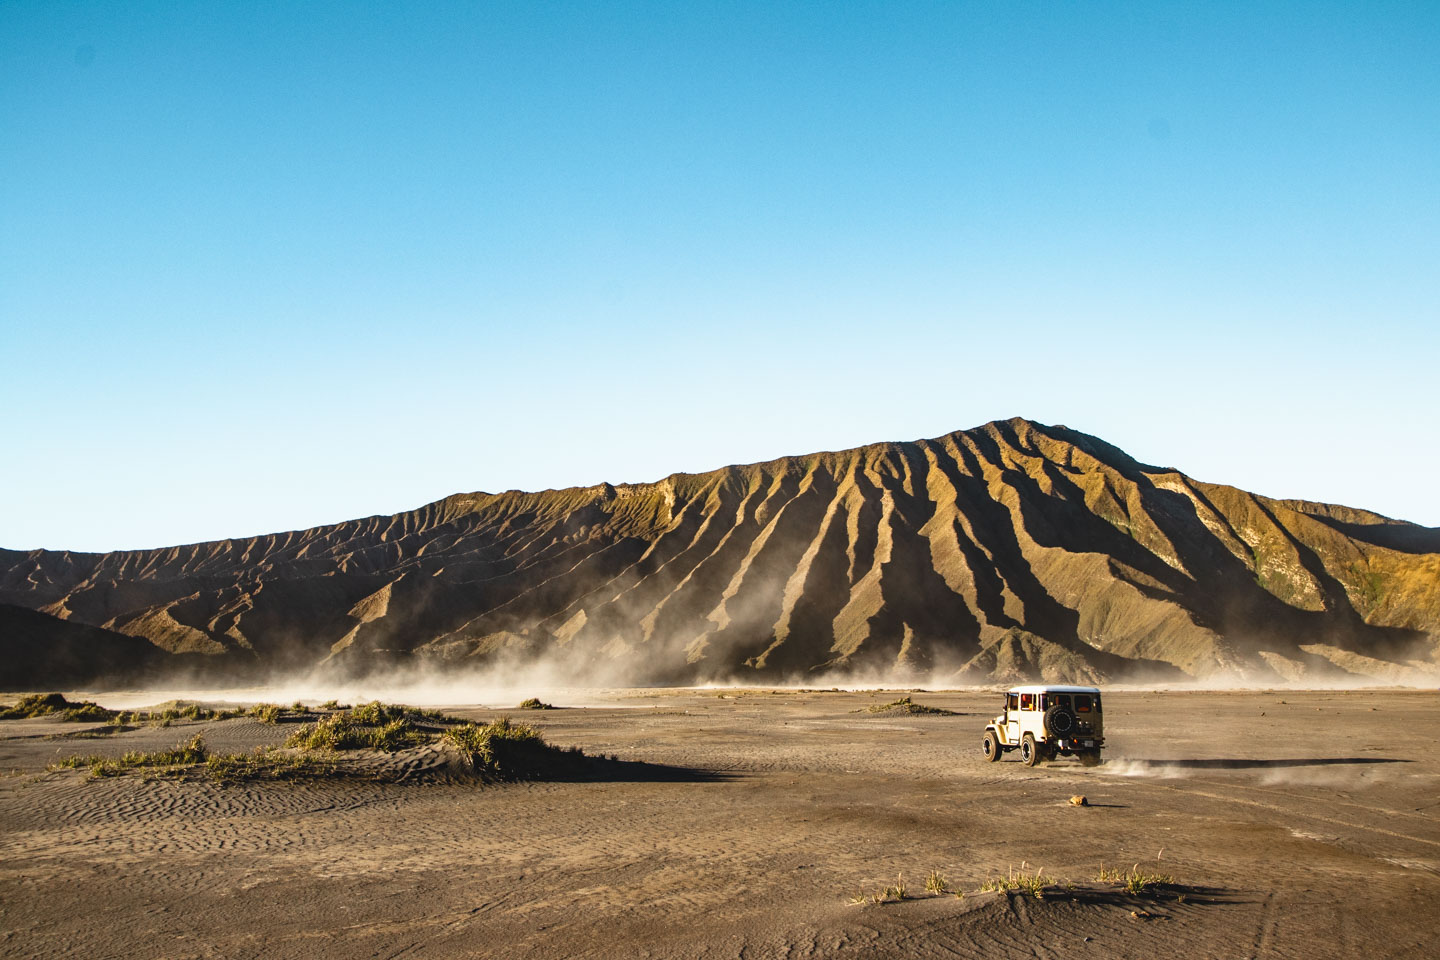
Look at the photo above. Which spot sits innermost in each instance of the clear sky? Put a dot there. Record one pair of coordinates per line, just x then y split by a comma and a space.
270, 265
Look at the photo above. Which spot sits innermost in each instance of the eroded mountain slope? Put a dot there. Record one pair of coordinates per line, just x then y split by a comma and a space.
1010, 550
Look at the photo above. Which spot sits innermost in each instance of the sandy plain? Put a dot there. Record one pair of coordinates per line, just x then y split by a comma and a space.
1298, 824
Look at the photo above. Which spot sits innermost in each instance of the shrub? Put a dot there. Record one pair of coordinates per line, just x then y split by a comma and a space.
46, 704
535, 703
502, 748
266, 712
395, 735
340, 731
335, 732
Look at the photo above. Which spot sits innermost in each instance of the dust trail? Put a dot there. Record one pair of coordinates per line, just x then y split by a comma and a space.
1142, 768
1316, 772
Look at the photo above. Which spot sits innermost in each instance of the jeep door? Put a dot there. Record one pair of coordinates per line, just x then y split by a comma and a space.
1012, 718
1027, 719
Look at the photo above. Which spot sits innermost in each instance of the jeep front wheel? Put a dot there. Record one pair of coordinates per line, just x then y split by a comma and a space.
992, 746
1029, 753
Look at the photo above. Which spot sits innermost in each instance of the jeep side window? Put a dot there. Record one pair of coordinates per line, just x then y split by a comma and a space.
1027, 701
1012, 702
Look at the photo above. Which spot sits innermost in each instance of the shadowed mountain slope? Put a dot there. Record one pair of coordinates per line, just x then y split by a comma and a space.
1011, 550
39, 650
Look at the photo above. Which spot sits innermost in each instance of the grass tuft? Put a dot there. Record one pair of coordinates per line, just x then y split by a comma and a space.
1133, 881
535, 703
936, 883
505, 749
1018, 880
266, 712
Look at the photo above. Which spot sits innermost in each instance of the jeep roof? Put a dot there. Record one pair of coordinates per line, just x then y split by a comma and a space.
1052, 688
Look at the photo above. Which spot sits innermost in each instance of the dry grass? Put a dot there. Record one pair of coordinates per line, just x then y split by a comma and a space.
1134, 881
1018, 880
906, 705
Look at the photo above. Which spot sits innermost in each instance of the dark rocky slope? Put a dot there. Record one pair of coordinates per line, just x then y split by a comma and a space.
1010, 550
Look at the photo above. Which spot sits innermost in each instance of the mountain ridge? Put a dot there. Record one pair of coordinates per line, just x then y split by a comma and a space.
1009, 550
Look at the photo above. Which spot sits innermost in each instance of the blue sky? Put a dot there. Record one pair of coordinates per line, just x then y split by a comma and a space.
270, 265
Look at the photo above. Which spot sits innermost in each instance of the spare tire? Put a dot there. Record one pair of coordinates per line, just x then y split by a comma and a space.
1059, 722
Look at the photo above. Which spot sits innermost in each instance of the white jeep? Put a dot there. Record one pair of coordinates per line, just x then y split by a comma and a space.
1044, 721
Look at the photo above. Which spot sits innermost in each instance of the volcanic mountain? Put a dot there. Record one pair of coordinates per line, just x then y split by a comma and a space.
1013, 550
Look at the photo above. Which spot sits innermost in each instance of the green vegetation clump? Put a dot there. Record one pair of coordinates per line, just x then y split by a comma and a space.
906, 705
378, 713
535, 703
396, 735
266, 712
504, 749
335, 732
86, 713
340, 732
55, 704
1370, 586
267, 764
164, 761
164, 714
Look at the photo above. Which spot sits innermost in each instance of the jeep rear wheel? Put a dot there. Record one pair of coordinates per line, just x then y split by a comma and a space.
1089, 758
1029, 753
991, 746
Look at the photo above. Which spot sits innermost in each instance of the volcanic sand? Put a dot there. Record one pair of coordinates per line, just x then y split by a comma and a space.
1298, 824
